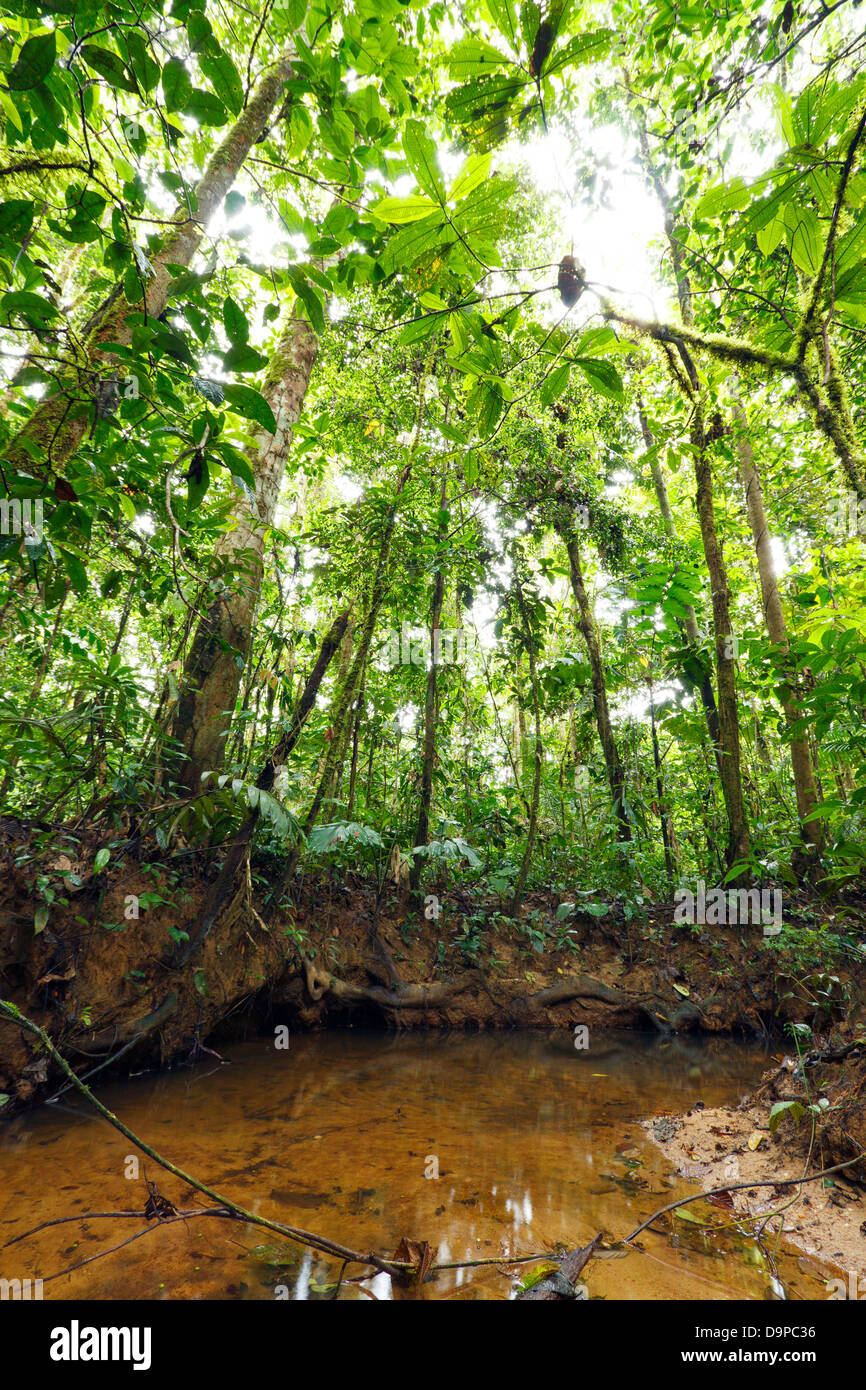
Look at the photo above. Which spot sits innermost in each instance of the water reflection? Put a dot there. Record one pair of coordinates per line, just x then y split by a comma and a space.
486, 1146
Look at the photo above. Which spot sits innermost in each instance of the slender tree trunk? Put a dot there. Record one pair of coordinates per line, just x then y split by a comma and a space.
704, 685
728, 742
664, 818
519, 886
57, 427
356, 738
431, 710
226, 882
725, 643
378, 592
801, 758
586, 622
211, 677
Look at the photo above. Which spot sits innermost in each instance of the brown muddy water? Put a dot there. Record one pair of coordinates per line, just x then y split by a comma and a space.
535, 1143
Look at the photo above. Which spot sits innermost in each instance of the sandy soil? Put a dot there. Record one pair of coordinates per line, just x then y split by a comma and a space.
828, 1223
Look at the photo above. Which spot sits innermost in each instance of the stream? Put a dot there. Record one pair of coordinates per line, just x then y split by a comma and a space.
487, 1146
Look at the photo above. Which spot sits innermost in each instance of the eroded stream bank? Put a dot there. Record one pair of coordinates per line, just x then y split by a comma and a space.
534, 1142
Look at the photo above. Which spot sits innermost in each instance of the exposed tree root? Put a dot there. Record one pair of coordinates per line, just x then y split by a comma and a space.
321, 983
131, 1031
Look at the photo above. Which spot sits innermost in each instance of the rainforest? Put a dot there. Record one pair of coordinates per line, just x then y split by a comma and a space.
433, 699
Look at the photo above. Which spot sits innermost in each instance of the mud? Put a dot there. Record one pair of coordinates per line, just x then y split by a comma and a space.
100, 980
825, 1218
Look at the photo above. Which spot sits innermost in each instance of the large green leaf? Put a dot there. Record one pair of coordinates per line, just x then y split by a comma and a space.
250, 403
109, 65
403, 210
176, 84
420, 152
602, 376
34, 62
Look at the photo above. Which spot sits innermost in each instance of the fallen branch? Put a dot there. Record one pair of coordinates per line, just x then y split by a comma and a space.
738, 1187
559, 1285
301, 1237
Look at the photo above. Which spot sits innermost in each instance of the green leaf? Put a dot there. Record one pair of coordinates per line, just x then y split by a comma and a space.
102, 858
685, 1214
411, 243
223, 74
201, 35
142, 64
403, 210
783, 1108
459, 331
34, 62
31, 307
109, 65
769, 236
205, 108
553, 386
16, 216
235, 321
251, 404
176, 84
473, 173
804, 238
583, 48
40, 919
308, 297
211, 390
420, 153
725, 197
12, 113
237, 464
197, 486
602, 376
76, 571
243, 358
474, 58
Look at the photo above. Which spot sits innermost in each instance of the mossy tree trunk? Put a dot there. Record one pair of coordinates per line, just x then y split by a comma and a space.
57, 426
704, 684
221, 643
801, 757
532, 829
589, 631
431, 700
730, 768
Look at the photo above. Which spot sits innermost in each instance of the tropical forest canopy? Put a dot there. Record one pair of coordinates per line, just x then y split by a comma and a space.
434, 434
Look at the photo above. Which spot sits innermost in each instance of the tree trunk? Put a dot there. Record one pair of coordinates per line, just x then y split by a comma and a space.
226, 883
378, 592
728, 741
211, 677
356, 738
664, 818
431, 711
729, 729
704, 685
586, 622
539, 754
801, 758
57, 426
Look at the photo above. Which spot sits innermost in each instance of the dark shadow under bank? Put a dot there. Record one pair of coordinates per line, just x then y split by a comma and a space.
345, 955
